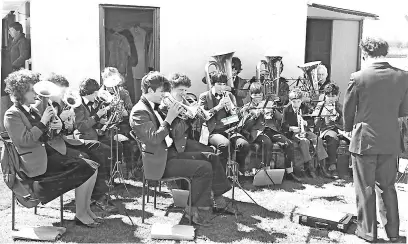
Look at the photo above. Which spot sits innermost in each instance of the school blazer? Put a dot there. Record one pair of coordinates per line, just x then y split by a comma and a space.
151, 135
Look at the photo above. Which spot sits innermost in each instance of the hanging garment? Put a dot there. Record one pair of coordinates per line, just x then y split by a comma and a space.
119, 51
139, 35
150, 53
133, 51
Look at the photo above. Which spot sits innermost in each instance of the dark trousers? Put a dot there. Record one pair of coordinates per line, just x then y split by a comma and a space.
286, 145
220, 183
332, 143
221, 142
195, 166
266, 142
375, 175
99, 153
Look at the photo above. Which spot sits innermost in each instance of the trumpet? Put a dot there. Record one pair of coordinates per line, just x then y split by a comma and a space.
231, 106
189, 111
302, 133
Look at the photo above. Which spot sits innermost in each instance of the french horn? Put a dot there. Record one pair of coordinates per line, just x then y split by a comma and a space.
268, 72
222, 63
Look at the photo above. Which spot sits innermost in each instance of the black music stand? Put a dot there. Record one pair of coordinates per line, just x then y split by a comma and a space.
232, 173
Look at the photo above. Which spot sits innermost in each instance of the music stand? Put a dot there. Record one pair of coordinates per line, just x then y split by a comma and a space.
232, 170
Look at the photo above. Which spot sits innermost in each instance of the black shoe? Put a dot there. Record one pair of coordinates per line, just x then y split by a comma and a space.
91, 225
293, 177
323, 172
312, 174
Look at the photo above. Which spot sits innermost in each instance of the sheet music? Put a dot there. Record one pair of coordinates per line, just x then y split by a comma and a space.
334, 216
345, 134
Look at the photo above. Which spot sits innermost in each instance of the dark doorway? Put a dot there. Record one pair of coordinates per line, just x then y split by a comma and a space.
319, 42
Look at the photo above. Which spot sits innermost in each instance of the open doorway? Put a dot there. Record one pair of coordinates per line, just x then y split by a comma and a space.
319, 42
129, 38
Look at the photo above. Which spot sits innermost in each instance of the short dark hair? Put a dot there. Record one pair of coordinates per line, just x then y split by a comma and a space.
88, 86
16, 26
295, 94
255, 88
331, 89
374, 47
178, 79
57, 80
18, 84
111, 71
236, 64
154, 80
219, 77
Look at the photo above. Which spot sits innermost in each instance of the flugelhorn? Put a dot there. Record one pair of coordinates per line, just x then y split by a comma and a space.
268, 72
222, 63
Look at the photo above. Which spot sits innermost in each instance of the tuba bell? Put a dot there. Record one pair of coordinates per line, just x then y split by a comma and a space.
308, 87
268, 73
222, 63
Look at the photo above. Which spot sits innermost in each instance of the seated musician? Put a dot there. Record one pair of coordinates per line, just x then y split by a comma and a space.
283, 87
108, 75
219, 103
161, 155
260, 125
96, 151
321, 76
330, 122
52, 167
291, 126
86, 116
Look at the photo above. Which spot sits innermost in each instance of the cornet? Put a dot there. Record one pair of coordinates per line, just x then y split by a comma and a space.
302, 133
188, 112
231, 106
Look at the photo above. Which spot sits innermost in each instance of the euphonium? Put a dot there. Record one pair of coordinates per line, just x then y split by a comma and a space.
222, 63
271, 74
308, 87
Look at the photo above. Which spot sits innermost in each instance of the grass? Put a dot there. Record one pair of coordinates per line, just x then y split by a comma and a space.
275, 219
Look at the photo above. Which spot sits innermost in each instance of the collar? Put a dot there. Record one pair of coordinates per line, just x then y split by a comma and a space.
86, 100
18, 37
150, 102
26, 107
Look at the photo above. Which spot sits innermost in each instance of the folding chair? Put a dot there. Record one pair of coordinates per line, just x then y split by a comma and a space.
146, 186
13, 210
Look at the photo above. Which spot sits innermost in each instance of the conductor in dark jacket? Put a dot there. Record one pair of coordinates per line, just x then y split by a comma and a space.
375, 98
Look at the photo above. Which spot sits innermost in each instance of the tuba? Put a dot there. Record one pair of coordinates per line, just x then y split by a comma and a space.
72, 99
46, 89
268, 72
309, 87
222, 63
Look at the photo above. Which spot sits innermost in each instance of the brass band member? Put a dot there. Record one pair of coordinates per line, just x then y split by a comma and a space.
216, 102
123, 126
330, 122
262, 125
187, 147
292, 127
241, 86
322, 75
96, 151
86, 118
52, 170
160, 155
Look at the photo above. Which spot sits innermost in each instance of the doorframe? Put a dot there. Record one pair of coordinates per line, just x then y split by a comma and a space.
156, 31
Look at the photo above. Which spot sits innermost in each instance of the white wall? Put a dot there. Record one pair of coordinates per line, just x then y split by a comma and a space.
65, 34
344, 52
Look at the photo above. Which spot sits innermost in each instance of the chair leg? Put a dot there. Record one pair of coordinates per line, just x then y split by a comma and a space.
154, 196
35, 210
13, 210
61, 209
160, 186
189, 200
143, 199
148, 191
